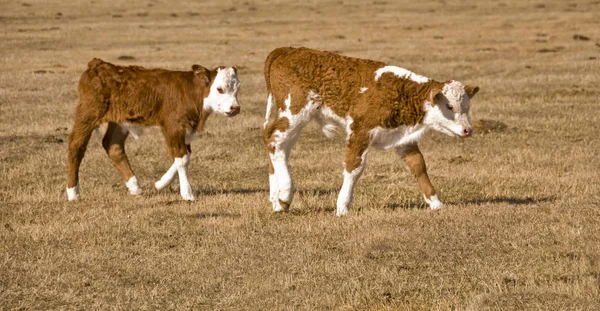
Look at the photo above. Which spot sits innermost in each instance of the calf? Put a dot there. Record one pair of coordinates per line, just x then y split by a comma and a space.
386, 107
130, 97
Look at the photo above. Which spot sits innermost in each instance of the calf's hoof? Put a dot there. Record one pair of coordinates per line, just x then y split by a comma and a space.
188, 196
340, 212
133, 186
73, 193
280, 206
433, 202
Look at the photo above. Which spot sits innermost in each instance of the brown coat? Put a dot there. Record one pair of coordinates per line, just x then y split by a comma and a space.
388, 102
379, 105
177, 101
145, 97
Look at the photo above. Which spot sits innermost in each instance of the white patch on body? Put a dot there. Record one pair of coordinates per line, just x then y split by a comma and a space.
133, 186
363, 89
382, 138
402, 73
226, 102
270, 105
73, 193
329, 121
434, 202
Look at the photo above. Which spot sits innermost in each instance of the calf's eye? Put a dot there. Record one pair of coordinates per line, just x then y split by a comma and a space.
220, 90
449, 107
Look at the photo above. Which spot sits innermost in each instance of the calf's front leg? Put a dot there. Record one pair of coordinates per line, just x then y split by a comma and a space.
354, 165
414, 160
180, 152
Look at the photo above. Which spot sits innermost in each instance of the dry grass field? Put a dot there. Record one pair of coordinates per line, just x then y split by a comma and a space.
520, 231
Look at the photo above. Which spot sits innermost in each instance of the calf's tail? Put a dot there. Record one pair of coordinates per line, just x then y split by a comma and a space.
276, 53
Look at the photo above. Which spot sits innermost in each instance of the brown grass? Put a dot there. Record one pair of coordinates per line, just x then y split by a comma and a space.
521, 230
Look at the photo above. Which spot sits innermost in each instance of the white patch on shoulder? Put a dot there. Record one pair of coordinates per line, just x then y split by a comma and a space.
402, 73
364, 89
382, 138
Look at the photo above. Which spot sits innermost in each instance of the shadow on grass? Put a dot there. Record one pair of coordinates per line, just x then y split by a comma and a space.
221, 191
207, 215
406, 205
494, 200
318, 192
509, 200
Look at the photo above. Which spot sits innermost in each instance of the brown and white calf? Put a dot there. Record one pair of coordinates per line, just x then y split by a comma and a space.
131, 97
382, 106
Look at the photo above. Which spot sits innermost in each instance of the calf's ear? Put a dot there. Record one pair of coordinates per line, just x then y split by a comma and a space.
471, 90
201, 72
436, 96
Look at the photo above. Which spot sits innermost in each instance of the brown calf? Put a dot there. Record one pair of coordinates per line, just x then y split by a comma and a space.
127, 97
377, 105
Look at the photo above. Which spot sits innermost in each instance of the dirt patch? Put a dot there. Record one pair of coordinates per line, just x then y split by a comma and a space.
551, 50
126, 57
458, 160
486, 126
577, 37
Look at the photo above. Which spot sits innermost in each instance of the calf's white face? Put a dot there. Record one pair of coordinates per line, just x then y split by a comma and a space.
223, 93
448, 112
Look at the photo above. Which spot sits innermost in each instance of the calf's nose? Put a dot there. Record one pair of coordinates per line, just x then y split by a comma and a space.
468, 131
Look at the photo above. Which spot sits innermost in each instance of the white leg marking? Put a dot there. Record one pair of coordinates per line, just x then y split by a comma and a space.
73, 193
166, 179
274, 192
281, 184
182, 165
350, 178
282, 187
434, 202
133, 186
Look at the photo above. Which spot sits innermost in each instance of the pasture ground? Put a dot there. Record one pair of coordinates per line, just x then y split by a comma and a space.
521, 229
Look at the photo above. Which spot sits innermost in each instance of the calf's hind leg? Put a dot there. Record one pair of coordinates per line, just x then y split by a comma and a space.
78, 140
279, 137
87, 114
114, 144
